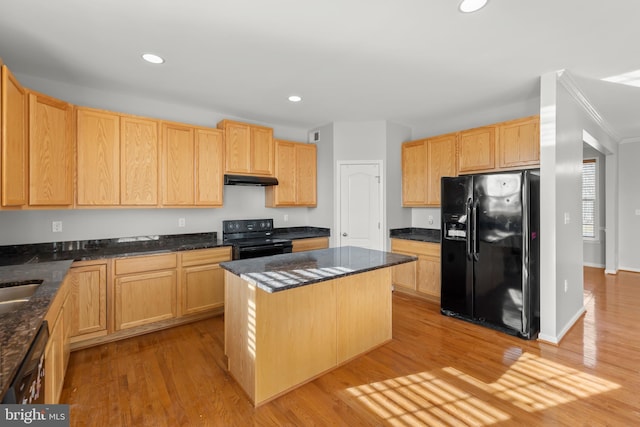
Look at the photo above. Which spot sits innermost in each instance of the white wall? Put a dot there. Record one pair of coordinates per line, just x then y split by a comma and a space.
563, 119
396, 216
594, 249
629, 221
322, 216
17, 227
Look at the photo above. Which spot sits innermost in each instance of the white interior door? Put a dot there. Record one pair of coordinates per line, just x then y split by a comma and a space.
360, 207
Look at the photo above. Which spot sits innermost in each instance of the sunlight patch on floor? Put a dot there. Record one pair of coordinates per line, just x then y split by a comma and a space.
531, 383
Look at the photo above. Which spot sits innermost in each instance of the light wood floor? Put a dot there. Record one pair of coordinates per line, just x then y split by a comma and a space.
436, 371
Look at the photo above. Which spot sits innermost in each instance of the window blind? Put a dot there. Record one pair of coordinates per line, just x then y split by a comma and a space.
589, 198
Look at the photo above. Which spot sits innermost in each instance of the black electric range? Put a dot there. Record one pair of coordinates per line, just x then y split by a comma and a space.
252, 238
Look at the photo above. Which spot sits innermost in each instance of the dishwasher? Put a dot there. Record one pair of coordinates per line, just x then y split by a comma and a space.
27, 386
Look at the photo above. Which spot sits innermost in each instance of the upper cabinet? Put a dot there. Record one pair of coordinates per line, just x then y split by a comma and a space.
509, 145
424, 162
519, 143
477, 149
51, 151
296, 170
139, 161
98, 157
249, 149
13, 141
192, 165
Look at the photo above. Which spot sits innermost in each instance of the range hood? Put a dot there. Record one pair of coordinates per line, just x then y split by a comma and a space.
260, 181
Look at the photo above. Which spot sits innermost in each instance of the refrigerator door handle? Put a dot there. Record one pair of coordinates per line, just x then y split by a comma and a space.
469, 229
474, 231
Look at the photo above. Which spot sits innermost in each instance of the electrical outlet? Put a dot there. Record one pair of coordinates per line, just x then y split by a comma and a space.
286, 218
182, 222
566, 285
56, 226
567, 218
430, 219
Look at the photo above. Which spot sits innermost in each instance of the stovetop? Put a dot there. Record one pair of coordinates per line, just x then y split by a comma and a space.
265, 241
250, 232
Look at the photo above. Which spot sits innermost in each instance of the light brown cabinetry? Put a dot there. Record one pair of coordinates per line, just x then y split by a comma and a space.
424, 162
519, 143
145, 290
476, 150
139, 161
249, 149
87, 303
296, 170
310, 244
98, 157
51, 151
192, 165
56, 356
426, 271
202, 279
13, 141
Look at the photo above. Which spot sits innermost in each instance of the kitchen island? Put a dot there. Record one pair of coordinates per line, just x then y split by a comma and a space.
293, 317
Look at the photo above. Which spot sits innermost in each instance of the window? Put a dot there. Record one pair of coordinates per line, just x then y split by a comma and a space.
589, 197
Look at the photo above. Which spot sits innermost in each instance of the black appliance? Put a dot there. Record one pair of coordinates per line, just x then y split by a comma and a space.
259, 181
252, 238
490, 250
27, 386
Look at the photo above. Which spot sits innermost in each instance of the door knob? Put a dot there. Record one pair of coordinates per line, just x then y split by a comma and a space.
344, 234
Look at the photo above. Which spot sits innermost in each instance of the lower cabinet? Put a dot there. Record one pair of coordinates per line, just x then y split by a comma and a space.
87, 303
202, 279
421, 278
56, 355
310, 244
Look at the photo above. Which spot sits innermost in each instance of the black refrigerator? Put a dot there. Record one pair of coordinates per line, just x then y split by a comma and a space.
490, 250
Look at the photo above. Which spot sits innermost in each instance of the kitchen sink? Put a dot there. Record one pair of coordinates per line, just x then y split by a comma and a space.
18, 290
9, 306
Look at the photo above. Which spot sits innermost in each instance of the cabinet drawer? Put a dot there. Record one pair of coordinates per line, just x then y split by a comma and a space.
205, 256
415, 247
145, 263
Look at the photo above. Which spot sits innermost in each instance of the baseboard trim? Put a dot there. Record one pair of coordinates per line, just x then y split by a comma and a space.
614, 272
634, 270
592, 264
556, 339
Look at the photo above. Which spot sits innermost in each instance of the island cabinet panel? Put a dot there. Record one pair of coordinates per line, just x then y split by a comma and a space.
13, 140
87, 304
476, 149
98, 157
51, 151
363, 313
139, 154
277, 341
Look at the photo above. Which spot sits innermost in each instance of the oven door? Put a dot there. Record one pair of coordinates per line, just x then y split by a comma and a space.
247, 252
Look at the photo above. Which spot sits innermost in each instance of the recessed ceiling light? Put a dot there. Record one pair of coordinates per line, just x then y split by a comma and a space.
468, 6
154, 59
295, 98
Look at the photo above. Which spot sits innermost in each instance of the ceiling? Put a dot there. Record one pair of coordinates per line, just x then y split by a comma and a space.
413, 62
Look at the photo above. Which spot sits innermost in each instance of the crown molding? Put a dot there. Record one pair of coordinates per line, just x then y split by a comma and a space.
630, 140
569, 83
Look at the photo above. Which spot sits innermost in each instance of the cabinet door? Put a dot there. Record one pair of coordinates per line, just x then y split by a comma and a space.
87, 303
144, 298
209, 167
477, 149
98, 154
519, 143
284, 194
139, 161
262, 151
414, 174
428, 278
179, 171
237, 156
202, 288
13, 139
404, 275
306, 175
441, 161
50, 151
54, 359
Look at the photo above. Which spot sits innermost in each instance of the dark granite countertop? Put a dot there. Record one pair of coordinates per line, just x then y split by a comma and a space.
280, 272
84, 250
294, 233
413, 233
18, 328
